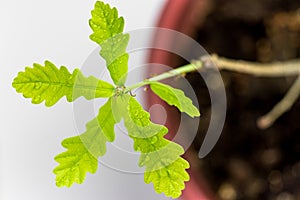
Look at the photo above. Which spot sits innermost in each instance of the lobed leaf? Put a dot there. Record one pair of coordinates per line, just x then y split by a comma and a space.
169, 179
175, 97
48, 83
105, 22
81, 155
107, 120
107, 29
161, 157
138, 122
83, 150
114, 53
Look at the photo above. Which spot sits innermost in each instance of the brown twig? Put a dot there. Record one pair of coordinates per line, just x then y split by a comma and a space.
276, 69
281, 107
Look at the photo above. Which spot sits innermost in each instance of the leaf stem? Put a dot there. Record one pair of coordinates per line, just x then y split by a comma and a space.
275, 69
169, 74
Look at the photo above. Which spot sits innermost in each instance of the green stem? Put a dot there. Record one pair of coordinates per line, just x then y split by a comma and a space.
276, 69
169, 74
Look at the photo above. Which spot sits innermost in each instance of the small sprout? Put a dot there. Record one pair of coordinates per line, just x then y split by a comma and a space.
160, 157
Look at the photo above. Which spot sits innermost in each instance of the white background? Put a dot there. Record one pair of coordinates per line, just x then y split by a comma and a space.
33, 31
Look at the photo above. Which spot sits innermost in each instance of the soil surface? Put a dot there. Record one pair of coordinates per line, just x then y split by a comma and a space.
249, 163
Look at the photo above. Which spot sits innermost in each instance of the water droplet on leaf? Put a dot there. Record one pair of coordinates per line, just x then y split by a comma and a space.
37, 85
54, 89
37, 99
154, 139
147, 159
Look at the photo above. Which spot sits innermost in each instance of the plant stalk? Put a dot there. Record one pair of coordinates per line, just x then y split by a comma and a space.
169, 74
275, 69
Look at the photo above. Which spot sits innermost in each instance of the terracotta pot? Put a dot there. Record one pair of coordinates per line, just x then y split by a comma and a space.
183, 16
241, 30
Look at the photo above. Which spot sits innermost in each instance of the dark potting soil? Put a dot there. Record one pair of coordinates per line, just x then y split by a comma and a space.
249, 163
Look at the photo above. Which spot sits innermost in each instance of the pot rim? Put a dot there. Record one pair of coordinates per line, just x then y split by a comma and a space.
175, 17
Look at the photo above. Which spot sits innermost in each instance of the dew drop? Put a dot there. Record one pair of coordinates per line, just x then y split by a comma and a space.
54, 89
147, 159
137, 148
37, 99
49, 103
37, 85
163, 173
154, 139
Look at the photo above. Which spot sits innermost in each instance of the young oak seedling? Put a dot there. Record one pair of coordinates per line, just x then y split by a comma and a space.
164, 166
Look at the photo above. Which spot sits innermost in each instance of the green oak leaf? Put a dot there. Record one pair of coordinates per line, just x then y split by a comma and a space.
84, 150
116, 59
170, 179
119, 106
105, 22
74, 163
138, 122
81, 155
107, 120
161, 157
107, 29
48, 83
175, 97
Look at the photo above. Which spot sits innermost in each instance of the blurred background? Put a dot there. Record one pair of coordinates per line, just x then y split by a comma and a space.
247, 162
